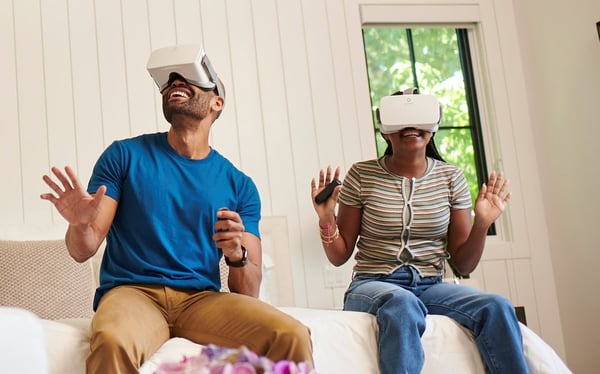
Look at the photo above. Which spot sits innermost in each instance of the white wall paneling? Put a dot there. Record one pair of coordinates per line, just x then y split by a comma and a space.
328, 136
301, 137
270, 88
247, 93
57, 84
31, 97
145, 111
188, 21
11, 198
218, 43
114, 96
162, 32
85, 80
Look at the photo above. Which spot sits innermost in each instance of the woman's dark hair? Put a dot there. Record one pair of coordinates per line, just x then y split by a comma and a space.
430, 151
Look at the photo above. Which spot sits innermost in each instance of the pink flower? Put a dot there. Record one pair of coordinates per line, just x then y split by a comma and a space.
218, 360
173, 368
290, 367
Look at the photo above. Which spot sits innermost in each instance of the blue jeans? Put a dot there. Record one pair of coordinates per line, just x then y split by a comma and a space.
401, 301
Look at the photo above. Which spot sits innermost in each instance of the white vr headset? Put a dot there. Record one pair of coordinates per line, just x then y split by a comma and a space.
188, 61
399, 112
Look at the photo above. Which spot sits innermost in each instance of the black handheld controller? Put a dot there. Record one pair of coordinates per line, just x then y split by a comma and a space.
324, 195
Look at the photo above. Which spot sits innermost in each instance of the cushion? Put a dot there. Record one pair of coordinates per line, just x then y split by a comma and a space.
68, 344
343, 341
448, 344
22, 343
40, 276
540, 357
224, 273
173, 350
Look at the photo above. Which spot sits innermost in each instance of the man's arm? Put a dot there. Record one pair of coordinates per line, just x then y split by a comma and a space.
230, 237
246, 280
89, 216
83, 240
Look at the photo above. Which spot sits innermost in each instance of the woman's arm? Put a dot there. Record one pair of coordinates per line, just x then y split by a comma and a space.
338, 235
340, 246
465, 240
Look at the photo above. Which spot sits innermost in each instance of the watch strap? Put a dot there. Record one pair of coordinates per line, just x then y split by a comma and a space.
239, 263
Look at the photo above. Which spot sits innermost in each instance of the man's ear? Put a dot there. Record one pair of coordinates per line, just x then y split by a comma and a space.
217, 104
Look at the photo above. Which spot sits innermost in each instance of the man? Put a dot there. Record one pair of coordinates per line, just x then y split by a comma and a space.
169, 206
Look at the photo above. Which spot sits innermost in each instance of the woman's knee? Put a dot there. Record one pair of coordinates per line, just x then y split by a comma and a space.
498, 307
372, 296
405, 305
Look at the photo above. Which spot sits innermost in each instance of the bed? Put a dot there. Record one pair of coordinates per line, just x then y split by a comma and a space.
31, 272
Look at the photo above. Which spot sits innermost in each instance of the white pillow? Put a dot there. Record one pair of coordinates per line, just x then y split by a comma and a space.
449, 347
68, 344
540, 357
173, 350
343, 342
40, 276
22, 344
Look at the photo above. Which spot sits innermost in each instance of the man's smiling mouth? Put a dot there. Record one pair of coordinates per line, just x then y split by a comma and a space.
178, 93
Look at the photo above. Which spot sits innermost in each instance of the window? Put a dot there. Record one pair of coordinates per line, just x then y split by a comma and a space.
437, 61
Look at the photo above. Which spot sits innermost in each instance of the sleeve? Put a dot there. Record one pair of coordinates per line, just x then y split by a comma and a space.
350, 193
249, 206
460, 197
108, 171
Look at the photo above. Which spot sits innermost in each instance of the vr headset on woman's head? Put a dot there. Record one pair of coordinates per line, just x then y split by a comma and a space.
188, 61
398, 112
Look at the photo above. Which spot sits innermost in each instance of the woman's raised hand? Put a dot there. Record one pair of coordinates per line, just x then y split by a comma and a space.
325, 209
492, 198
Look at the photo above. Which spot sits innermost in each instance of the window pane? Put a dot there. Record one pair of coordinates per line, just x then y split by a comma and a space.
429, 59
456, 147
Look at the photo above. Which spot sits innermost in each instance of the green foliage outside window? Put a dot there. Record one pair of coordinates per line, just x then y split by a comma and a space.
435, 68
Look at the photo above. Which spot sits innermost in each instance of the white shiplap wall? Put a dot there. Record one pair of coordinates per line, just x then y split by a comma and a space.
74, 80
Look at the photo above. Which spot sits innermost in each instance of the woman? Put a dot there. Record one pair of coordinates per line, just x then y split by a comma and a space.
408, 212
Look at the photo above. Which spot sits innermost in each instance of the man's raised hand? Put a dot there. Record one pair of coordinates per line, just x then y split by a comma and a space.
71, 200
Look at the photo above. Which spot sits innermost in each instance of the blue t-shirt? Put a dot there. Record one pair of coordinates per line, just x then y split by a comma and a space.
167, 205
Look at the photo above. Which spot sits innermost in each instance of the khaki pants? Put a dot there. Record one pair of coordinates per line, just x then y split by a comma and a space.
133, 321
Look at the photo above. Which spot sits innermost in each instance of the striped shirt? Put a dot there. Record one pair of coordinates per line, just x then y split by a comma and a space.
404, 220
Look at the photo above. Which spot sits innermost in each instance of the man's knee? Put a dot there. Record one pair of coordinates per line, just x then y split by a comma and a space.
290, 340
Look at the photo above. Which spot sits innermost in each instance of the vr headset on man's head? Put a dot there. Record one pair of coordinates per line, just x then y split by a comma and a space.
398, 112
188, 61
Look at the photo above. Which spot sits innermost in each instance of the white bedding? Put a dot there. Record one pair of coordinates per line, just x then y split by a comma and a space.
343, 343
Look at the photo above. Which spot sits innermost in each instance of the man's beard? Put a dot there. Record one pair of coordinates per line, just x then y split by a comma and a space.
195, 108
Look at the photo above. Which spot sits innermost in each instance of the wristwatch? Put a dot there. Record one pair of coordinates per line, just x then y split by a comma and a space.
239, 263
